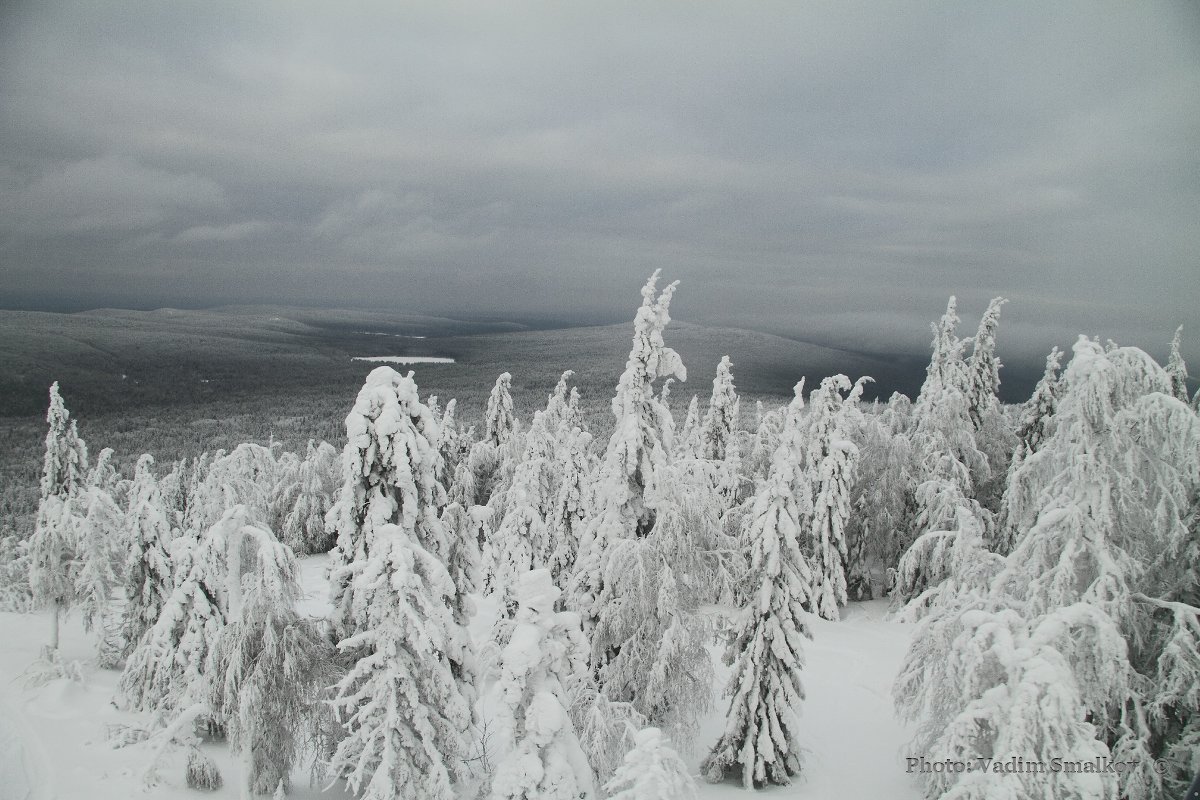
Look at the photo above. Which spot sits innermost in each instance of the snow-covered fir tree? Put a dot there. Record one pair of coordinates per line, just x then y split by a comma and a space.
721, 420
1086, 622
1177, 367
308, 499
101, 553
652, 770
269, 667
570, 507
499, 420
759, 741
993, 436
542, 755
389, 477
402, 704
169, 668
649, 638
53, 562
521, 540
983, 368
148, 576
687, 442
640, 444
1034, 426
830, 458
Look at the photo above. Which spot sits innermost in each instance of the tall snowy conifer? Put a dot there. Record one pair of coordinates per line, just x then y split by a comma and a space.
983, 368
1086, 622
53, 564
759, 740
499, 418
1177, 368
389, 477
640, 444
720, 422
650, 638
310, 498
545, 656
148, 580
402, 704
268, 668
570, 507
687, 442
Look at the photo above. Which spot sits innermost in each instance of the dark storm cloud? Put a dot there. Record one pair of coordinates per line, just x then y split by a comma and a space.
830, 171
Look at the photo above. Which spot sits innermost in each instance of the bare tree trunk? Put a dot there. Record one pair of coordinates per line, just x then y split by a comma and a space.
54, 614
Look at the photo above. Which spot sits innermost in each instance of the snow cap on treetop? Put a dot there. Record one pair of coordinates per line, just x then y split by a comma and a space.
536, 591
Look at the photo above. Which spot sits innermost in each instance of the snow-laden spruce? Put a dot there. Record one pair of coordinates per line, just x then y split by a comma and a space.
571, 505
541, 755
53, 564
652, 770
268, 667
499, 420
389, 477
830, 459
306, 499
402, 704
640, 445
687, 440
1091, 621
650, 640
721, 420
759, 741
148, 579
101, 549
172, 664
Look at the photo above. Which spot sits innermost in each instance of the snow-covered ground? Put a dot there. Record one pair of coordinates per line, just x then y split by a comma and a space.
53, 744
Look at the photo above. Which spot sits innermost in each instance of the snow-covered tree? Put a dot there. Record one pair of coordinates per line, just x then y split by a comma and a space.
649, 637
1177, 368
101, 555
652, 770
721, 420
269, 668
308, 500
1035, 425
542, 755
53, 564
499, 420
148, 577
570, 507
402, 705
687, 442
170, 665
521, 541
759, 740
640, 444
983, 368
830, 459
831, 512
1087, 620
389, 477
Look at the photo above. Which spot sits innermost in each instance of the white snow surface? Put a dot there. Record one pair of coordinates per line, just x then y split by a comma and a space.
404, 360
53, 747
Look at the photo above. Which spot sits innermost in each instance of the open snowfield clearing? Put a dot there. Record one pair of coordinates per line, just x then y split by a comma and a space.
53, 745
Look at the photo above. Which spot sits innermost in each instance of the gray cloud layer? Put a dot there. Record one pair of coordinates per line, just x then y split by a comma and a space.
827, 170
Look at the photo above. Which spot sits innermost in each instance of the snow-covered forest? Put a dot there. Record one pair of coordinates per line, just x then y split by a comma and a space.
523, 608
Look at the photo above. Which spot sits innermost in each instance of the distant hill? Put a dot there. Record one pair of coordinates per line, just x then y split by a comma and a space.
112, 359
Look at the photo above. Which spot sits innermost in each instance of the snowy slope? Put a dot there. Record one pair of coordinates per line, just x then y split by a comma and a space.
52, 738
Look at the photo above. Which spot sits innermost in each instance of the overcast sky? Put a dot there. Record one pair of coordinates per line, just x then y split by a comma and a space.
829, 171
